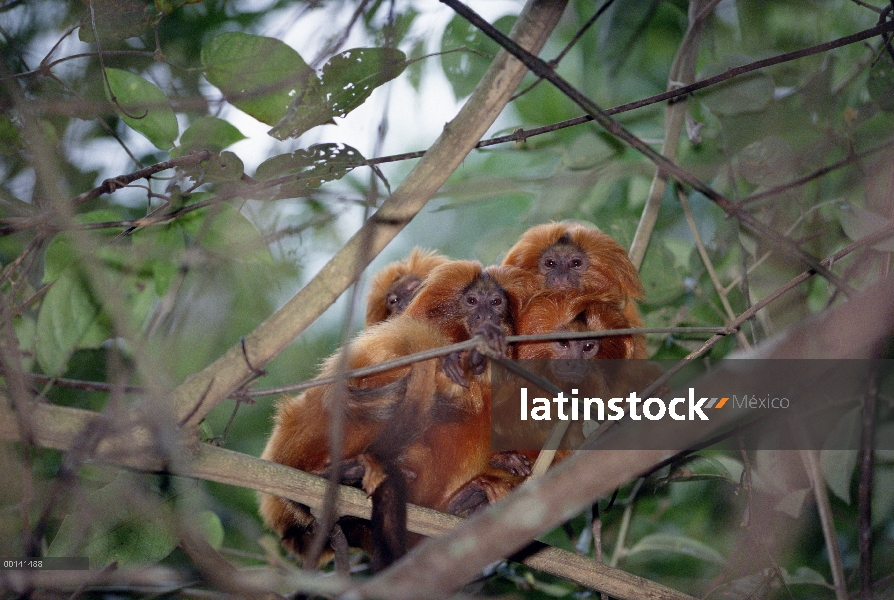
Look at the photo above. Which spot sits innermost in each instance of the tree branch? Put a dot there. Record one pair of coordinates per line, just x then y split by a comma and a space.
668, 167
204, 390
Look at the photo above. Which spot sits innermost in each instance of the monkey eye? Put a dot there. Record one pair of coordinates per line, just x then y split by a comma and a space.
471, 300
563, 343
576, 263
550, 263
496, 302
589, 346
392, 299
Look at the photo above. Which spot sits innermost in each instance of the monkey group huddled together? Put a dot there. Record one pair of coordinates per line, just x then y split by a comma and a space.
421, 433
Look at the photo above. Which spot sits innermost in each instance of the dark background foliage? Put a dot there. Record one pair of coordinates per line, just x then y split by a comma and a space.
146, 281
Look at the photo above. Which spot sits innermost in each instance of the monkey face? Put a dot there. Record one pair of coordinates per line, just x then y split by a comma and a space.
484, 305
568, 357
575, 349
562, 266
400, 293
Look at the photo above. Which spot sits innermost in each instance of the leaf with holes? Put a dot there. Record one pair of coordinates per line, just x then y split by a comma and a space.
347, 81
144, 106
259, 75
312, 168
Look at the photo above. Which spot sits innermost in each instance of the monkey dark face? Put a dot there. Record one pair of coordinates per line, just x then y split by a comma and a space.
575, 349
400, 293
562, 266
484, 304
568, 355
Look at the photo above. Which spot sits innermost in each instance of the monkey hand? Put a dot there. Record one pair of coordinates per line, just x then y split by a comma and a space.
512, 461
480, 491
495, 337
453, 368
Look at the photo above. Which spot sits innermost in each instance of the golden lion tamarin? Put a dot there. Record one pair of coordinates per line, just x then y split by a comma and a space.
386, 411
392, 288
577, 259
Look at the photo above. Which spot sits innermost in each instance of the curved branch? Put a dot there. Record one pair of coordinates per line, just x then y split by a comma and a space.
850, 330
668, 168
58, 427
199, 394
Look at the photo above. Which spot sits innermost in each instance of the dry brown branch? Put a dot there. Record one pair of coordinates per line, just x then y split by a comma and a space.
856, 329
198, 395
58, 427
667, 167
682, 72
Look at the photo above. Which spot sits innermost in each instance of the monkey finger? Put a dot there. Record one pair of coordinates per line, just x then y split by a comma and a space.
494, 336
512, 461
477, 362
452, 367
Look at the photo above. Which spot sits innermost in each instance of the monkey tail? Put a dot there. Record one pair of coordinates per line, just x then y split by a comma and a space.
389, 517
384, 479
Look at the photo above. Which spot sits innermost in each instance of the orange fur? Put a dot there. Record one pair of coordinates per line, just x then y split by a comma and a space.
384, 412
454, 468
609, 275
300, 437
551, 311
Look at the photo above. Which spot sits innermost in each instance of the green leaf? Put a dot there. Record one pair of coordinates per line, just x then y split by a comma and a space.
707, 468
232, 235
60, 252
802, 576
679, 544
207, 133
168, 6
838, 465
223, 167
259, 75
10, 138
312, 167
211, 527
748, 93
145, 107
882, 495
838, 470
25, 328
69, 319
766, 162
163, 246
347, 81
414, 68
623, 28
661, 276
465, 68
118, 530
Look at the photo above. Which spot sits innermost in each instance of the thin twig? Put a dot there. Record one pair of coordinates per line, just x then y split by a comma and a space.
864, 490
810, 458
669, 167
709, 266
